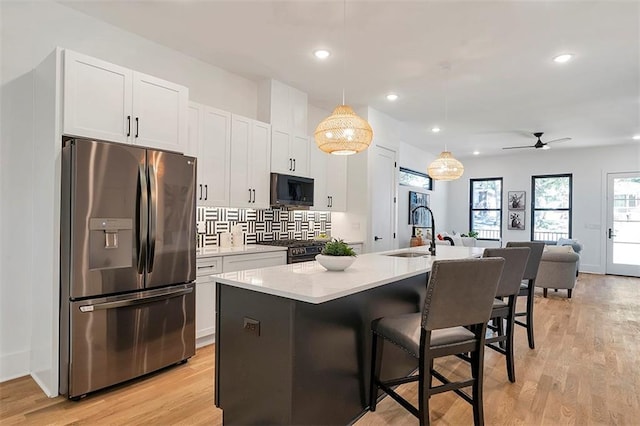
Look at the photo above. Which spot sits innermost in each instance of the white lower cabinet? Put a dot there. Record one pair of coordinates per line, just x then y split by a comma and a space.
206, 285
254, 260
206, 299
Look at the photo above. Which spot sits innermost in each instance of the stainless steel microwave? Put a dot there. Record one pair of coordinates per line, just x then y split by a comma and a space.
291, 191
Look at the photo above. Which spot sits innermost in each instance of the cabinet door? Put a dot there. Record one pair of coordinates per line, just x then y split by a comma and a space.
205, 307
214, 157
281, 116
298, 111
299, 151
281, 160
337, 182
194, 131
318, 171
240, 186
260, 164
97, 98
160, 113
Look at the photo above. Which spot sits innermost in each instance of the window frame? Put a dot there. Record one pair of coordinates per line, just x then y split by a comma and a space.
415, 173
499, 209
534, 209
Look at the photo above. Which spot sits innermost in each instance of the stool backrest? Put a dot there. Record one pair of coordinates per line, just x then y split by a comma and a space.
460, 292
515, 262
531, 271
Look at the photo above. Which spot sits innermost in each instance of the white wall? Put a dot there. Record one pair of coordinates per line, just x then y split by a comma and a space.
29, 33
416, 159
588, 166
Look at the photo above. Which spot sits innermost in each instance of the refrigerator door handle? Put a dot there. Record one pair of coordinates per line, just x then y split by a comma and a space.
153, 216
143, 219
134, 302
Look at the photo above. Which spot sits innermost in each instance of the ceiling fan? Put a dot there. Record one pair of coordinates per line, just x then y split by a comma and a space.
539, 143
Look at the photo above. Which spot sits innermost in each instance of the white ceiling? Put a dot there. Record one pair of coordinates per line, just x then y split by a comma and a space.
501, 86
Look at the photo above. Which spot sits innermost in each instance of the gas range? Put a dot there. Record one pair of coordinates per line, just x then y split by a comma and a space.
298, 250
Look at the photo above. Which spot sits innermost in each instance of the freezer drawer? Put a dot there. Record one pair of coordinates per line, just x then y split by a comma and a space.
114, 339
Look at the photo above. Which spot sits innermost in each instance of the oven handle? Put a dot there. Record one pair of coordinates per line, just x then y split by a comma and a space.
134, 302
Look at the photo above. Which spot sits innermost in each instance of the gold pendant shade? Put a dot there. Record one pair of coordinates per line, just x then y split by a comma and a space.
343, 132
445, 167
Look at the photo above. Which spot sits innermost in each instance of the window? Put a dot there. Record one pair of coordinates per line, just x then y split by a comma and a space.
485, 213
551, 207
412, 178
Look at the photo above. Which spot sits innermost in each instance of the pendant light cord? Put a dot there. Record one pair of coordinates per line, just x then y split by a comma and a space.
344, 47
447, 68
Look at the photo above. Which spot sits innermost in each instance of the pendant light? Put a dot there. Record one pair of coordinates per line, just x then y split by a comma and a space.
343, 132
445, 167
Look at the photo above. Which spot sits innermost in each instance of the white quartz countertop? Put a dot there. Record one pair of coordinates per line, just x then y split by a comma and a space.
227, 251
310, 282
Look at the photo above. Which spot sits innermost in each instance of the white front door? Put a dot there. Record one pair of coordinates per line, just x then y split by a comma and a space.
383, 206
623, 224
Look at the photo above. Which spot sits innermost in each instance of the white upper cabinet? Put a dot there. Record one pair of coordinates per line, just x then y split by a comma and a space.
330, 180
210, 132
286, 109
97, 98
289, 154
160, 111
250, 165
110, 102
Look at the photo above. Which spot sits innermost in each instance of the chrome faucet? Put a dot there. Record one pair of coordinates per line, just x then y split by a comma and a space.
432, 245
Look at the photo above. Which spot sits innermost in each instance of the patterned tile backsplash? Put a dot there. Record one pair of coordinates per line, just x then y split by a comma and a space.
261, 225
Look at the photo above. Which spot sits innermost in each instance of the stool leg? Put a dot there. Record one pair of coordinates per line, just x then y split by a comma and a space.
511, 370
532, 344
544, 292
477, 366
569, 293
424, 386
376, 363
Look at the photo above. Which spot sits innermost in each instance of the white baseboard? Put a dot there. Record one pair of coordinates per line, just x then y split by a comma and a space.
14, 365
205, 340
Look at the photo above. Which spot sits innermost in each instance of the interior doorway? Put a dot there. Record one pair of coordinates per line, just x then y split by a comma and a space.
383, 211
623, 224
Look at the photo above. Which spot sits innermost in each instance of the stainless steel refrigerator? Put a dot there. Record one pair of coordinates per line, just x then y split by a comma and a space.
127, 263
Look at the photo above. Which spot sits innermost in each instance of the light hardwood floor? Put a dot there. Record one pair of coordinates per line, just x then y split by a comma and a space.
585, 370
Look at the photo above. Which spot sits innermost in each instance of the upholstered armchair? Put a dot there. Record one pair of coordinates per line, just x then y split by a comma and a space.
558, 268
575, 245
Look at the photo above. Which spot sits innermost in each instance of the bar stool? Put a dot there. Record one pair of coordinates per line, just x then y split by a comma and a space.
527, 289
453, 321
509, 287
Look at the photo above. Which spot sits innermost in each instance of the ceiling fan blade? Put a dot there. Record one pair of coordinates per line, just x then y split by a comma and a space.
559, 140
519, 147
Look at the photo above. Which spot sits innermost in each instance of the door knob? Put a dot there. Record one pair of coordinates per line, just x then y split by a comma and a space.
611, 234
376, 238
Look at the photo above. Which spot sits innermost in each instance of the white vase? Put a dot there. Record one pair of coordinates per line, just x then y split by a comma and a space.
335, 263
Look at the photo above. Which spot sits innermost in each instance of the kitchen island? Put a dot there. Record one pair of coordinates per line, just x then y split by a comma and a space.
293, 341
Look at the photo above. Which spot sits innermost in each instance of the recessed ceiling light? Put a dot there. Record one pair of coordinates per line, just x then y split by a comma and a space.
435, 129
476, 152
392, 97
561, 59
321, 54
636, 137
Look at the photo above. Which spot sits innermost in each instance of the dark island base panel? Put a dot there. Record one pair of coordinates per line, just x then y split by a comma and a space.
304, 364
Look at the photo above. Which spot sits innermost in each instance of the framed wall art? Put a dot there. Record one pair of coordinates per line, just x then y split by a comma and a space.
516, 220
517, 200
420, 216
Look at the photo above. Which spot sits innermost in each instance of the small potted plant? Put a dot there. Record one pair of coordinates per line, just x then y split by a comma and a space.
336, 255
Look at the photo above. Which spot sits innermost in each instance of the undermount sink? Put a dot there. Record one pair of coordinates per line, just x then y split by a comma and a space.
407, 254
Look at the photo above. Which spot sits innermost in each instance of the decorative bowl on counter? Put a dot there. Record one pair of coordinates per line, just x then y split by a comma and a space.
335, 263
